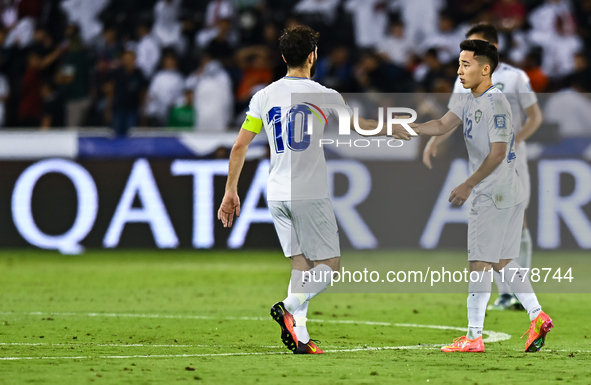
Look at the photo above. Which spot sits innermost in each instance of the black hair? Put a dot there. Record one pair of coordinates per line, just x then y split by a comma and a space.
297, 43
483, 51
488, 31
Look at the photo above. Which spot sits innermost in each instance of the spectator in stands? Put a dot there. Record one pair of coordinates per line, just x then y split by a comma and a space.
52, 111
514, 45
127, 86
167, 26
543, 18
446, 39
397, 47
256, 73
532, 67
148, 50
559, 47
221, 40
108, 50
570, 109
370, 20
271, 41
334, 70
29, 110
212, 93
419, 17
165, 90
182, 116
74, 80
84, 14
509, 14
47, 51
374, 75
22, 34
433, 71
216, 11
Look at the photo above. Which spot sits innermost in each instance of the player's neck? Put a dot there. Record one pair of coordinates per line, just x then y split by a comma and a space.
298, 73
481, 88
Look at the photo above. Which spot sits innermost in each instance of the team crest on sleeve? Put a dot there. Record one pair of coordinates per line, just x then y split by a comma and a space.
500, 86
500, 122
477, 116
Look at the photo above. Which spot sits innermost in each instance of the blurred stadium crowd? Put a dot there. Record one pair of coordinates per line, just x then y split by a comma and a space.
194, 64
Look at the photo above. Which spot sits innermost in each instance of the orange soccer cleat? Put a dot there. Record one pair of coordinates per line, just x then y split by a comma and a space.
537, 332
287, 323
309, 348
465, 345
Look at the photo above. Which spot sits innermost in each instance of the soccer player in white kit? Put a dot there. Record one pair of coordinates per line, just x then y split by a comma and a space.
297, 192
497, 209
515, 85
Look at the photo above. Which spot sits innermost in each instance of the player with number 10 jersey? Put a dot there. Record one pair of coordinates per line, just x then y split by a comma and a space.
297, 193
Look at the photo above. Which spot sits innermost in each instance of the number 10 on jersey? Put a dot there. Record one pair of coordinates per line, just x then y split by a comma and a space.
298, 136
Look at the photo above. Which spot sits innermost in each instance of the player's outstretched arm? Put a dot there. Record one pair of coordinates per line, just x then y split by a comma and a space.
437, 127
497, 154
531, 125
231, 202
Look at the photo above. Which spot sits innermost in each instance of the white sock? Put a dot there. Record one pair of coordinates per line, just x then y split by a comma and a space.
525, 250
308, 286
479, 294
502, 286
299, 316
522, 289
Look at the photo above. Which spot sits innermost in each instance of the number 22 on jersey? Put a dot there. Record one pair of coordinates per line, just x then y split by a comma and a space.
468, 129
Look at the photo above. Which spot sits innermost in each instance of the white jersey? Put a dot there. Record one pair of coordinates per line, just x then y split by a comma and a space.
298, 168
515, 85
487, 119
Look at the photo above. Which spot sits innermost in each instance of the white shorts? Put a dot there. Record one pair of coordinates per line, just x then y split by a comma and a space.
494, 234
308, 227
523, 171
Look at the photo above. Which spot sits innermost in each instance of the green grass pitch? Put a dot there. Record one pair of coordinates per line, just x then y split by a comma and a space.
165, 317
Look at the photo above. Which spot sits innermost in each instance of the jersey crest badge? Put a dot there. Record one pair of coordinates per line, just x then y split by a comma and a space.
500, 122
477, 116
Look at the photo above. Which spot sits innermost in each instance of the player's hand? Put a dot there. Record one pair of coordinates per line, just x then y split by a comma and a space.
399, 132
460, 194
429, 151
230, 205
